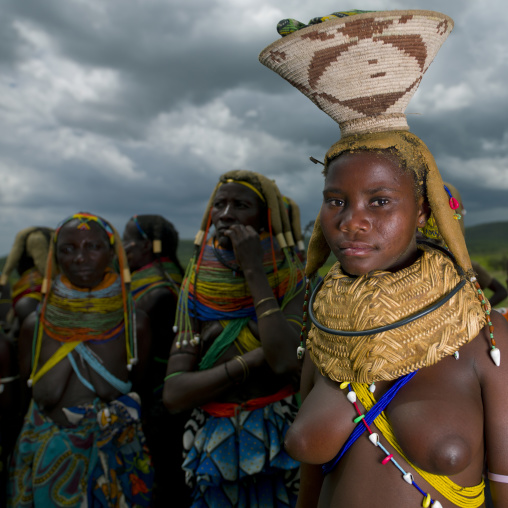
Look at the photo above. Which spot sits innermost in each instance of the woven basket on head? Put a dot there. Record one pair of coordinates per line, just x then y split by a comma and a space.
361, 70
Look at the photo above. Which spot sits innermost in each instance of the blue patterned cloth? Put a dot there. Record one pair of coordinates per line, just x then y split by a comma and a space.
241, 461
98, 461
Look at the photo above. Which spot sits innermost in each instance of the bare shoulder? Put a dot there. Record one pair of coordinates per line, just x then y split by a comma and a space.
155, 299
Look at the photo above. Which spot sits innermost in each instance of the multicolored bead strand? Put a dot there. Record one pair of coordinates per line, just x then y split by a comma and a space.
495, 354
303, 333
374, 439
454, 204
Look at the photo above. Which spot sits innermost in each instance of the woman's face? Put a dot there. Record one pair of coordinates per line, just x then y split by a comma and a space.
137, 249
236, 204
83, 255
370, 214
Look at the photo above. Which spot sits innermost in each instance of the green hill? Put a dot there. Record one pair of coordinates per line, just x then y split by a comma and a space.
488, 239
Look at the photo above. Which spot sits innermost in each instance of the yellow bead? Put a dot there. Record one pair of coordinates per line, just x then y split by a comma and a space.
426, 501
344, 384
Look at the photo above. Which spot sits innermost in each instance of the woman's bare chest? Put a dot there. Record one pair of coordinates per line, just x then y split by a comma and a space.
436, 419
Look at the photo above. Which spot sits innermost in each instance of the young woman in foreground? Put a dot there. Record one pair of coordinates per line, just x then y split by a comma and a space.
398, 327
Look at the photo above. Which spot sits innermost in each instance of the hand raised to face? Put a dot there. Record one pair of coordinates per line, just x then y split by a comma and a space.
238, 216
246, 245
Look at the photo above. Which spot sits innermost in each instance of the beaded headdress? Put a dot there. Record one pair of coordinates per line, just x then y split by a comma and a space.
84, 219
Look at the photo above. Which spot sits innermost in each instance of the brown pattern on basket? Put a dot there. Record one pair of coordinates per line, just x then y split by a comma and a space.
361, 70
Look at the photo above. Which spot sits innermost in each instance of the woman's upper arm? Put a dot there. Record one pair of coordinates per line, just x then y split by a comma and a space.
494, 384
307, 379
25, 341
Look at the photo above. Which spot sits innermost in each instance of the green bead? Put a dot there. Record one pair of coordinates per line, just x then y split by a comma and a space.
490, 323
487, 312
491, 335
359, 418
483, 301
479, 291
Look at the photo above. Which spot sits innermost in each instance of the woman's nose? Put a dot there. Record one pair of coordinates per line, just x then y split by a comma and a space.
353, 218
79, 256
227, 212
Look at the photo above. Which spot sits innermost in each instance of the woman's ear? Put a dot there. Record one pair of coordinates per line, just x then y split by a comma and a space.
424, 211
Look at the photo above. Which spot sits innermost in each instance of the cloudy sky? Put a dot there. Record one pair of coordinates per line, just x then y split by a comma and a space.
121, 107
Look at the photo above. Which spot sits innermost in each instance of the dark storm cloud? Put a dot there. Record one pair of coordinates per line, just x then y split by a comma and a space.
127, 106
165, 54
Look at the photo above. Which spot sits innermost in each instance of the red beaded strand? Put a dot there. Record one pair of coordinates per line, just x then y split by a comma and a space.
303, 333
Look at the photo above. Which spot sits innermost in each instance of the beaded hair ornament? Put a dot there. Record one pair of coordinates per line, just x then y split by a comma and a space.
159, 226
84, 220
156, 244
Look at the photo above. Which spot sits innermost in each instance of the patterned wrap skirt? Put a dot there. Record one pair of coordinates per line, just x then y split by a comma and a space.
240, 461
100, 460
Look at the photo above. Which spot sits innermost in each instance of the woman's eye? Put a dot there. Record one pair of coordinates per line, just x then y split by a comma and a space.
335, 202
380, 202
65, 249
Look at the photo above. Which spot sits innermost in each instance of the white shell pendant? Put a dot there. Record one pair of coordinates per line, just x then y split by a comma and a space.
372, 388
495, 354
437, 504
175, 329
374, 438
299, 352
408, 477
351, 396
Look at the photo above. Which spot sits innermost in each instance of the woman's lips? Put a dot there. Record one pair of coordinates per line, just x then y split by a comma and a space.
355, 248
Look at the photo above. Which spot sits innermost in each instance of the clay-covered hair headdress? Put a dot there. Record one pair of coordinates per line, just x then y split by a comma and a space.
33, 242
